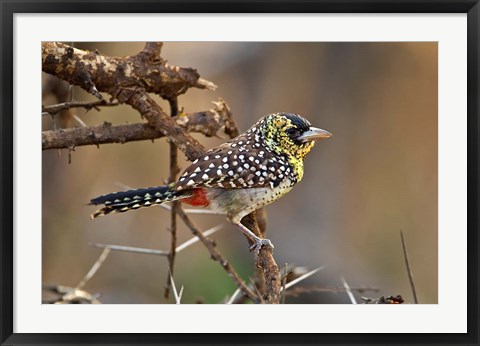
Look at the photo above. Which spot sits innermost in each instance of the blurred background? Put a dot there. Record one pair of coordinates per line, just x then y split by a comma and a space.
376, 176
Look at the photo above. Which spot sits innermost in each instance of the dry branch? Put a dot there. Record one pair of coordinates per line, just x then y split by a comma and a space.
409, 269
129, 80
62, 92
96, 266
156, 252
209, 123
146, 70
174, 170
156, 118
54, 109
265, 261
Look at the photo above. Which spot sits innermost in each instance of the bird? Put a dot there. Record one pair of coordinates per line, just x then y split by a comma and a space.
235, 178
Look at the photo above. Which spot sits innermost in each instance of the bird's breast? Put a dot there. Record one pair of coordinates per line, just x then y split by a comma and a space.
241, 202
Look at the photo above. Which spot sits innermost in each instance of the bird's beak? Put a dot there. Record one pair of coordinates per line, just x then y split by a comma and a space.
314, 134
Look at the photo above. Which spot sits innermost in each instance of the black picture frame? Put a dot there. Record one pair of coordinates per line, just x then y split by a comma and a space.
9, 8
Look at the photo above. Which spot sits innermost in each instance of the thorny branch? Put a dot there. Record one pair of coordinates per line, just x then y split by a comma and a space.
264, 260
156, 252
95, 72
129, 80
54, 109
209, 123
150, 110
174, 170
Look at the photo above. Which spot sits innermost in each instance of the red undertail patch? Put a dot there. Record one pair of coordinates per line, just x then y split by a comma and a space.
198, 199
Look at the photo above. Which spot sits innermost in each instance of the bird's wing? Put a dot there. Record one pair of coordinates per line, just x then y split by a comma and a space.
234, 168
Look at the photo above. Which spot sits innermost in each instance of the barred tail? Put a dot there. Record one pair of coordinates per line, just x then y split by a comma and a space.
120, 202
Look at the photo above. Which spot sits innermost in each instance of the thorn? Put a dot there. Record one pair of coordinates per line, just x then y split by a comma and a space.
303, 277
349, 291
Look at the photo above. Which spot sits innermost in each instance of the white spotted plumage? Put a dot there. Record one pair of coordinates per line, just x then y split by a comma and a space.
237, 177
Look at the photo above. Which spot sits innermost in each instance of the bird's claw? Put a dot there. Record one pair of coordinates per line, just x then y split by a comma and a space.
258, 243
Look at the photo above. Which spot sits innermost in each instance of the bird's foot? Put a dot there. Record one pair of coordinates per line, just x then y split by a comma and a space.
258, 243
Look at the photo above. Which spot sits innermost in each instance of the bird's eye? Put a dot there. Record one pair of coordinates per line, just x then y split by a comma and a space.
293, 132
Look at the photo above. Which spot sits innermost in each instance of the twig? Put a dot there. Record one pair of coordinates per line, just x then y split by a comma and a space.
284, 282
209, 123
210, 245
153, 113
98, 263
62, 92
295, 291
56, 108
180, 294
131, 249
177, 296
303, 277
179, 248
193, 240
349, 291
234, 296
174, 169
129, 80
205, 84
80, 121
223, 110
259, 294
93, 71
409, 270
